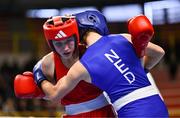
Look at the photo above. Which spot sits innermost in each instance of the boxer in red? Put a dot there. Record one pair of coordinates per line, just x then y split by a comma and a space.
85, 100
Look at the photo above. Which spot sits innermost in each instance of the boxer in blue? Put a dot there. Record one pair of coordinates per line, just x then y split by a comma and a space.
111, 63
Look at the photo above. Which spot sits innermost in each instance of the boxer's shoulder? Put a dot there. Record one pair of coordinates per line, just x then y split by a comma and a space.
48, 65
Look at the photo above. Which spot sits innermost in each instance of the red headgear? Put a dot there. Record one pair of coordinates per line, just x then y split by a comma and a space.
60, 27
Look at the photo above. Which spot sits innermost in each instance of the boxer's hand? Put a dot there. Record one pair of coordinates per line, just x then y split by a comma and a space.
25, 86
142, 32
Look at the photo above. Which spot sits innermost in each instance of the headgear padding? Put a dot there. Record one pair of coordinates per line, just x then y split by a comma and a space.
60, 27
91, 20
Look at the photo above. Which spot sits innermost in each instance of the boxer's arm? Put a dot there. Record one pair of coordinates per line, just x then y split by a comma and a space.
65, 84
44, 69
127, 36
153, 55
48, 67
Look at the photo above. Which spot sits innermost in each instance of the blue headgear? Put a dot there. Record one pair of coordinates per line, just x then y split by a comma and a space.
91, 20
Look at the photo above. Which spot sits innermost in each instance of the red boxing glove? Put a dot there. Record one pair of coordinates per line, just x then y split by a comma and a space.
25, 86
142, 32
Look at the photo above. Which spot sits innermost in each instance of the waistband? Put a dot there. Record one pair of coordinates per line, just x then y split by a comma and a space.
135, 95
88, 106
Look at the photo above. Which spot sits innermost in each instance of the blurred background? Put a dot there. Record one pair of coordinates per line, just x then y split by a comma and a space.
22, 44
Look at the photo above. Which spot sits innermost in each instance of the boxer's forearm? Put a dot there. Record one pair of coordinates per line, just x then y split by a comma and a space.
58, 91
154, 54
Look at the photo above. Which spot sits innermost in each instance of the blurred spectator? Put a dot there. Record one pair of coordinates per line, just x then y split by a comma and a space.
170, 44
37, 105
22, 105
1, 102
28, 66
3, 88
173, 65
6, 79
52, 108
172, 55
177, 44
9, 106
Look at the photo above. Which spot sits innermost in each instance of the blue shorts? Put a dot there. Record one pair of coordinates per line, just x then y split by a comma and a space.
152, 106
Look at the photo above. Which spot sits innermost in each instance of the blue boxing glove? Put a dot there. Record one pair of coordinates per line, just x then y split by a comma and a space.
38, 74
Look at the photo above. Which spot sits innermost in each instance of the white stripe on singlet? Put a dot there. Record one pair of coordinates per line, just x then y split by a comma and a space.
135, 95
88, 106
153, 83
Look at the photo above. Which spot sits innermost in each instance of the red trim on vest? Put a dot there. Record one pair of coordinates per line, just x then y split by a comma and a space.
61, 70
82, 92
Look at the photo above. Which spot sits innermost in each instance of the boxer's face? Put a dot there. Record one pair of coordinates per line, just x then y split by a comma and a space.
65, 48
